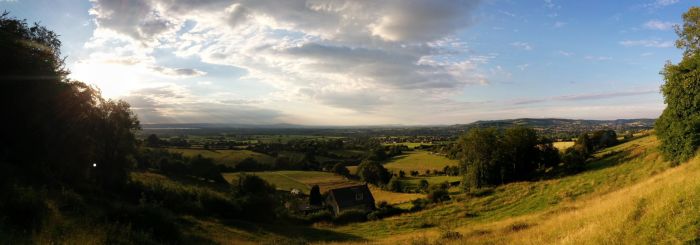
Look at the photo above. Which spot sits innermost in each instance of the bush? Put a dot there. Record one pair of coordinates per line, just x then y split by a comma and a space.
23, 208
439, 195
323, 215
158, 222
395, 185
384, 210
350, 216
419, 204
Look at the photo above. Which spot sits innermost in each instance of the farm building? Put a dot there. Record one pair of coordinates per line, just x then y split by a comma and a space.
350, 198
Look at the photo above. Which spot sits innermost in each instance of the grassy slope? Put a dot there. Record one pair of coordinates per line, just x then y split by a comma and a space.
595, 204
420, 161
227, 157
628, 195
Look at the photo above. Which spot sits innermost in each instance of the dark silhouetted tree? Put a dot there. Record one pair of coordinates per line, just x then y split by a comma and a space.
315, 197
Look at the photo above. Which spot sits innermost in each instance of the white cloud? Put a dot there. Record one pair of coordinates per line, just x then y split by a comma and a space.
178, 72
647, 43
658, 25
342, 56
523, 66
565, 53
597, 58
559, 24
522, 45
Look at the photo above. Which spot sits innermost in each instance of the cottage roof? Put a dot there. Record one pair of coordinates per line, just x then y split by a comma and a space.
352, 196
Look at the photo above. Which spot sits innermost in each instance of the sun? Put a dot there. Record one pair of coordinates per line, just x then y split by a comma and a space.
113, 80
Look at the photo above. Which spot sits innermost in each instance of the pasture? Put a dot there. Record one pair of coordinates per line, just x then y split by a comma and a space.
563, 145
226, 157
419, 161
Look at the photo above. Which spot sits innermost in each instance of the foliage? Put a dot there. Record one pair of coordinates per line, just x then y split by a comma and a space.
678, 127
438, 193
491, 157
395, 185
315, 197
340, 169
373, 172
59, 127
384, 210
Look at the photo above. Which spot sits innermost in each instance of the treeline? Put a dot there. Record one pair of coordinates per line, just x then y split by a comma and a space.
489, 156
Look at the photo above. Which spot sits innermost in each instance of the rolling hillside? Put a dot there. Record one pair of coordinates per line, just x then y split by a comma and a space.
628, 194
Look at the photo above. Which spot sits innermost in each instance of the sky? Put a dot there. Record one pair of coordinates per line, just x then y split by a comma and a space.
348, 62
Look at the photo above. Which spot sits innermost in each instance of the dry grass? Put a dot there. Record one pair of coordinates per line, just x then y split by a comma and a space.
563, 145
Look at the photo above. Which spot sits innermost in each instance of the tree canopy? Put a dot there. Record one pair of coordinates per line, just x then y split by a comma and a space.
58, 130
678, 127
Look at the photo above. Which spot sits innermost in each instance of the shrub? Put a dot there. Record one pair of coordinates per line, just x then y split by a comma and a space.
320, 216
158, 222
384, 210
438, 195
350, 216
395, 185
419, 204
23, 208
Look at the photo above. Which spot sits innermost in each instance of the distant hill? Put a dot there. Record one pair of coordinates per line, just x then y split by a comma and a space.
548, 126
554, 126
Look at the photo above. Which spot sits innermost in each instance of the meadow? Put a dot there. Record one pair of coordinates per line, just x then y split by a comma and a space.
419, 161
226, 157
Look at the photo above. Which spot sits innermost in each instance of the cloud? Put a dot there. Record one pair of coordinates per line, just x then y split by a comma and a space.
590, 96
597, 58
178, 72
523, 66
173, 104
564, 53
559, 24
647, 43
662, 3
658, 25
522, 45
369, 59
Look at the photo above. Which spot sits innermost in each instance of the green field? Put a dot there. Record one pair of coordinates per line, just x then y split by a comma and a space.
303, 180
226, 157
419, 161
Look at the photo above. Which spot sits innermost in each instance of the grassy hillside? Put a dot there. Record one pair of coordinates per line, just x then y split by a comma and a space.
629, 189
420, 161
227, 157
628, 194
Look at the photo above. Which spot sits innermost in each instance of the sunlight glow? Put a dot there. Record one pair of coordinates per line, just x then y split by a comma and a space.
114, 80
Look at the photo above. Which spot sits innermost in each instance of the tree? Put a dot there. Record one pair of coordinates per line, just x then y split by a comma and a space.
395, 185
519, 153
340, 169
402, 174
678, 127
373, 172
480, 156
423, 185
315, 197
153, 141
61, 130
